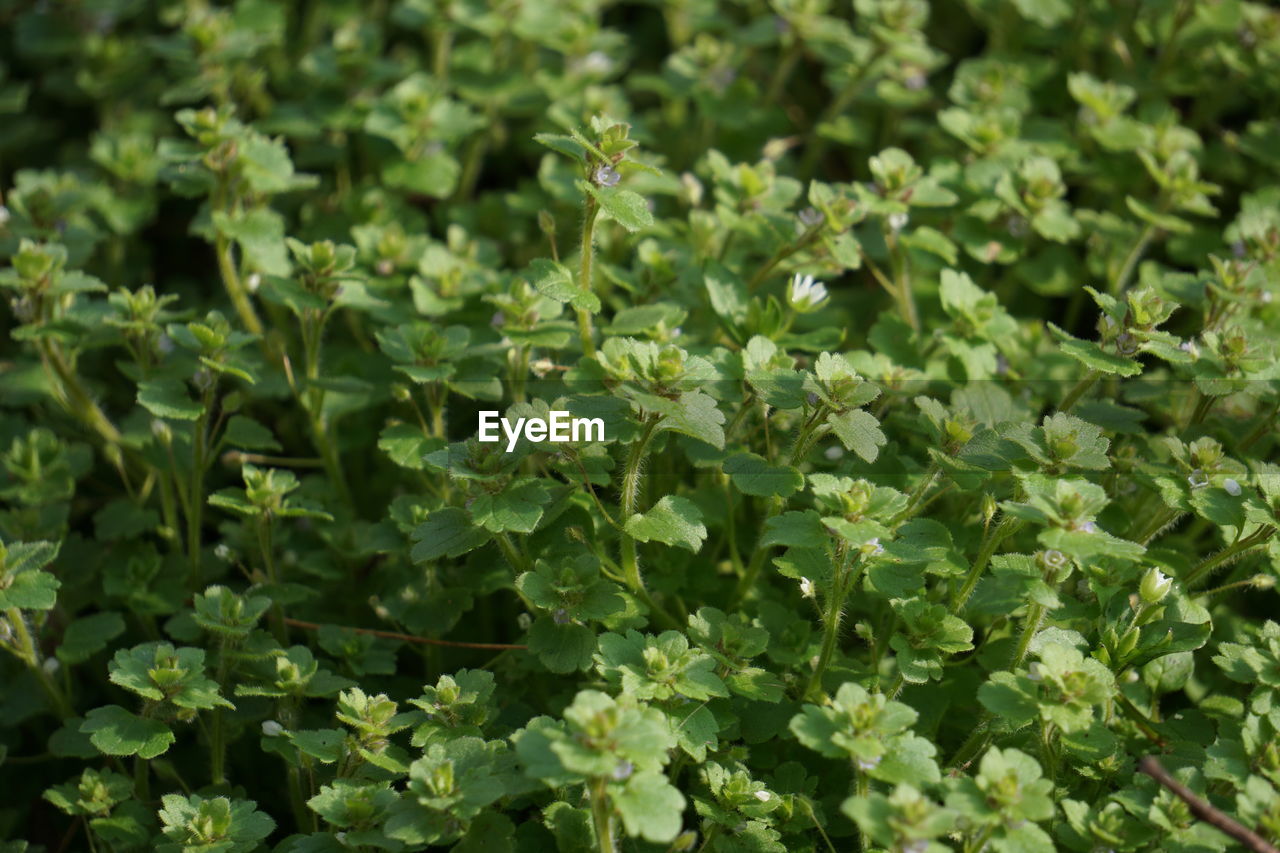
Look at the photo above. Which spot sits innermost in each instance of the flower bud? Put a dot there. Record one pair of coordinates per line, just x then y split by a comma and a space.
271, 728
1155, 586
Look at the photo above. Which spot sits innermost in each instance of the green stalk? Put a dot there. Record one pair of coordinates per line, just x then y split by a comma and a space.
862, 789
902, 282
28, 651
217, 732
1232, 552
846, 576
629, 559
585, 333
227, 267
1131, 260
1077, 391
1035, 615
601, 815
312, 334
269, 565
776, 504
990, 542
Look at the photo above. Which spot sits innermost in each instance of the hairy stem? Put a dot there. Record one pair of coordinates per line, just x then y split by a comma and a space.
585, 333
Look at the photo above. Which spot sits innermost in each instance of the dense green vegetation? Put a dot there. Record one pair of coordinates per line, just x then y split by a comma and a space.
936, 351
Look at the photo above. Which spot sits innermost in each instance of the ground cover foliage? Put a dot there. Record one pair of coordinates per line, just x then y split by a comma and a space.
936, 350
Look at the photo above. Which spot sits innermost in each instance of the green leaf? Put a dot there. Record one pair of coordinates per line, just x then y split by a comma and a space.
625, 207
1091, 355
673, 521
650, 806
168, 398
562, 648
115, 731
516, 508
33, 590
89, 635
554, 281
446, 532
858, 431
753, 475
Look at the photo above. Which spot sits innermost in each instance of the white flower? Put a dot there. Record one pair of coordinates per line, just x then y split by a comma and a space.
898, 221
806, 587
810, 217
597, 62
805, 294
50, 665
1034, 673
872, 547
253, 282
833, 452
523, 621
340, 837
763, 796
271, 728
1232, 487
1088, 527
865, 764
607, 176
222, 552
1198, 479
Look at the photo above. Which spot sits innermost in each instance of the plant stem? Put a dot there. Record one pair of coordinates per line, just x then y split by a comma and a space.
1077, 391
844, 579
1131, 260
862, 789
1226, 555
26, 648
990, 542
227, 265
601, 815
1035, 614
269, 565
585, 333
629, 559
902, 282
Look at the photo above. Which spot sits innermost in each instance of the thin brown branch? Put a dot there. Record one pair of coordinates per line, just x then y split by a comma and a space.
1216, 818
408, 638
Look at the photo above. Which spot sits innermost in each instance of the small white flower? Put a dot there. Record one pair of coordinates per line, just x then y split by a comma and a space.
524, 621
623, 771
763, 796
865, 764
1132, 676
607, 176
253, 282
1088, 527
1232, 487
898, 221
1266, 297
340, 837
222, 552
385, 266
806, 587
1034, 673
271, 728
810, 217
872, 547
805, 294
833, 452
1198, 479
51, 665
597, 62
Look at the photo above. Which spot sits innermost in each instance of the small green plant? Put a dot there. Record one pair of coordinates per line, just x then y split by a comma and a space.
928, 356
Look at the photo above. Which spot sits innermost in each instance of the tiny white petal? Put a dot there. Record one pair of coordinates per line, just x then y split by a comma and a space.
271, 728
1232, 487
763, 796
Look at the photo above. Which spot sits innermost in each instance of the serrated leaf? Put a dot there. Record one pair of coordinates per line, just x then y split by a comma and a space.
115, 731
753, 475
858, 431
446, 532
168, 398
625, 207
673, 521
554, 281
